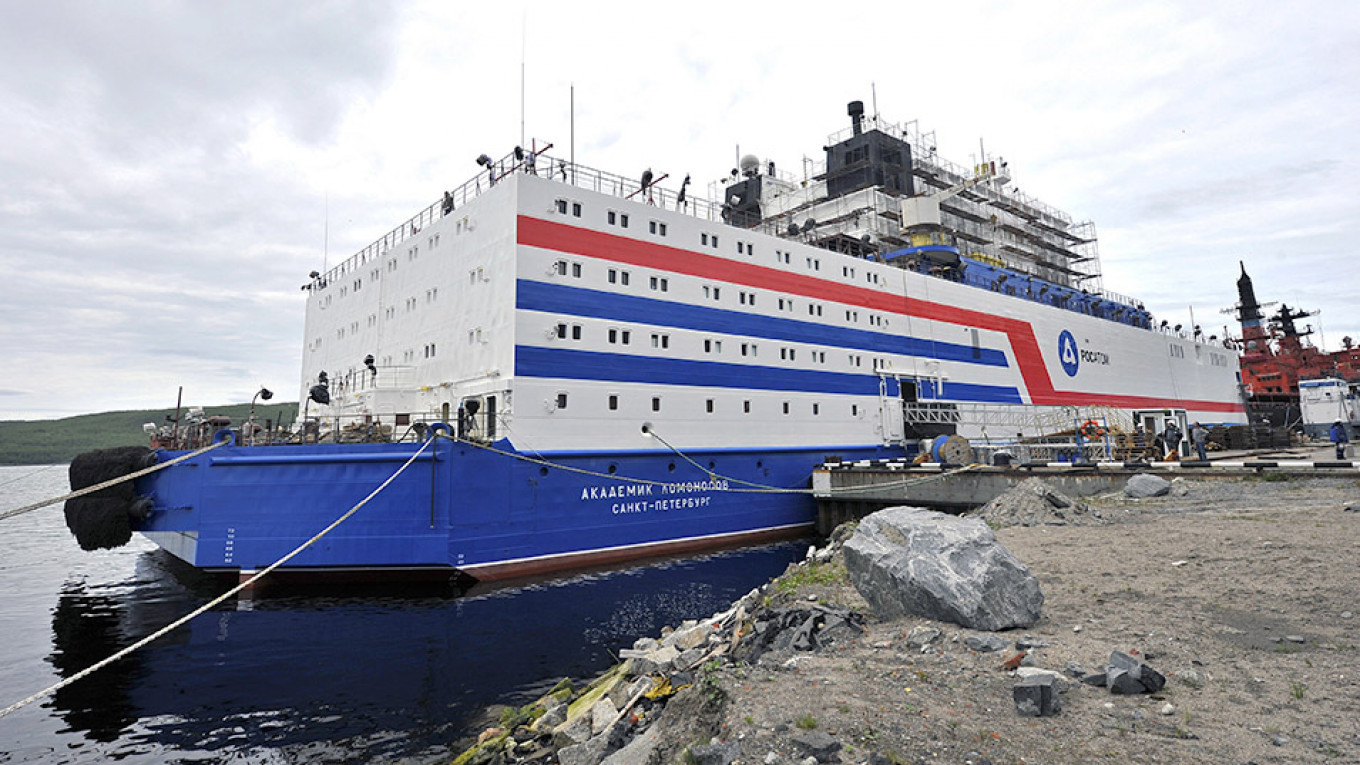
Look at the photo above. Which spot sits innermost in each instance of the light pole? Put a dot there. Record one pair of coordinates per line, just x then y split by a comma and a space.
265, 394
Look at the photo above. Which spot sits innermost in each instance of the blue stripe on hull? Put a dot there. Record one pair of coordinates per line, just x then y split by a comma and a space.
564, 363
467, 507
578, 301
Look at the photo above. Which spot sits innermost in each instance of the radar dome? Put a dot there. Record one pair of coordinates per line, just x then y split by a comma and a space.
750, 165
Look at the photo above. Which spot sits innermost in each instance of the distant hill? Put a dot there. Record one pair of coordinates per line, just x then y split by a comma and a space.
47, 442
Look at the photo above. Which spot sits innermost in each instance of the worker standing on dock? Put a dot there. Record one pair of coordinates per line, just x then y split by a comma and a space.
1171, 438
1340, 437
1200, 436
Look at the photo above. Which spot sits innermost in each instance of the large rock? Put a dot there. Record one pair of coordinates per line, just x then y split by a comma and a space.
1145, 485
910, 561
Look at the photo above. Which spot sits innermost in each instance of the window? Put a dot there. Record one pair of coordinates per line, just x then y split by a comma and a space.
656, 403
576, 270
854, 410
576, 209
708, 405
712, 346
814, 310
576, 332
786, 407
712, 292
623, 220
816, 409
703, 238
746, 407
561, 401
613, 402
613, 218
618, 277
787, 354
657, 227
562, 206
562, 330
751, 347
660, 283
741, 247
661, 341
746, 298
713, 240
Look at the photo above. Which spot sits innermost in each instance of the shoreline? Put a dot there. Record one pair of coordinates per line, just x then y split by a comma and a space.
1242, 592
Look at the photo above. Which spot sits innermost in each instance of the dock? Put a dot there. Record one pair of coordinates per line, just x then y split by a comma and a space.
848, 491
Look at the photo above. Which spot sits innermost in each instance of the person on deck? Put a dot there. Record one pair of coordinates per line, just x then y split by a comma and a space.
1340, 437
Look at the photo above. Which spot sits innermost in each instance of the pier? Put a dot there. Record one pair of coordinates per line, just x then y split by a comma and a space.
848, 491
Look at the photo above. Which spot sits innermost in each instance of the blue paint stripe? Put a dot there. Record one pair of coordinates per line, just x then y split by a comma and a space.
560, 363
597, 304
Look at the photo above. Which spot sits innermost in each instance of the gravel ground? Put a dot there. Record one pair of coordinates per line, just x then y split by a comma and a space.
1244, 593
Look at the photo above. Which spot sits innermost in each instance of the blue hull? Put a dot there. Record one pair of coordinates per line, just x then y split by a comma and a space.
465, 507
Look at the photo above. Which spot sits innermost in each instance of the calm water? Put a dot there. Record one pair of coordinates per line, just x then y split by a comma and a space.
387, 676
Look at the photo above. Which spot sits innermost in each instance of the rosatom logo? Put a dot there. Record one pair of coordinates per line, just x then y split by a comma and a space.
1067, 353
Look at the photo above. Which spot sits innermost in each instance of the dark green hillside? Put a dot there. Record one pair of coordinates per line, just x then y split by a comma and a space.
45, 442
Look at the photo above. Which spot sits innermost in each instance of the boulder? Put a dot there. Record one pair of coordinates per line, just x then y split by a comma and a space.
602, 715
714, 754
816, 744
638, 751
1037, 696
1127, 675
585, 753
1144, 485
985, 643
910, 561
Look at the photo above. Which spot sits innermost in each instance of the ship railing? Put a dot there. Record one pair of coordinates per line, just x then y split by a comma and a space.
349, 429
535, 163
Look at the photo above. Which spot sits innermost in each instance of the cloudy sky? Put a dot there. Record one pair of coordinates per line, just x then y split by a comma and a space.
170, 172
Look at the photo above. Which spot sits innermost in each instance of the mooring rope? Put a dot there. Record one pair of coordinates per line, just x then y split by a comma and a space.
111, 482
162, 632
757, 488
28, 475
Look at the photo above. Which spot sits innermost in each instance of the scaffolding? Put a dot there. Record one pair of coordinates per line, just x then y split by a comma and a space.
1028, 433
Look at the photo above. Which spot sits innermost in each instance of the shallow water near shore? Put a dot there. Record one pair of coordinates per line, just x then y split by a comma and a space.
388, 675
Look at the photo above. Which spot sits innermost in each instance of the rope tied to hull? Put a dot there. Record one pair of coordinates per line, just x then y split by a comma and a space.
755, 488
110, 483
162, 632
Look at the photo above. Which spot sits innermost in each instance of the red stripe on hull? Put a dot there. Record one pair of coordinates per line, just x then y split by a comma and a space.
557, 564
564, 238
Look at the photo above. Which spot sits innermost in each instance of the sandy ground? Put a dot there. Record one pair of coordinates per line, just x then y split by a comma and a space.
1245, 593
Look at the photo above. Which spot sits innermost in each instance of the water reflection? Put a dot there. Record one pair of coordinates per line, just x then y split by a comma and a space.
335, 675
87, 629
